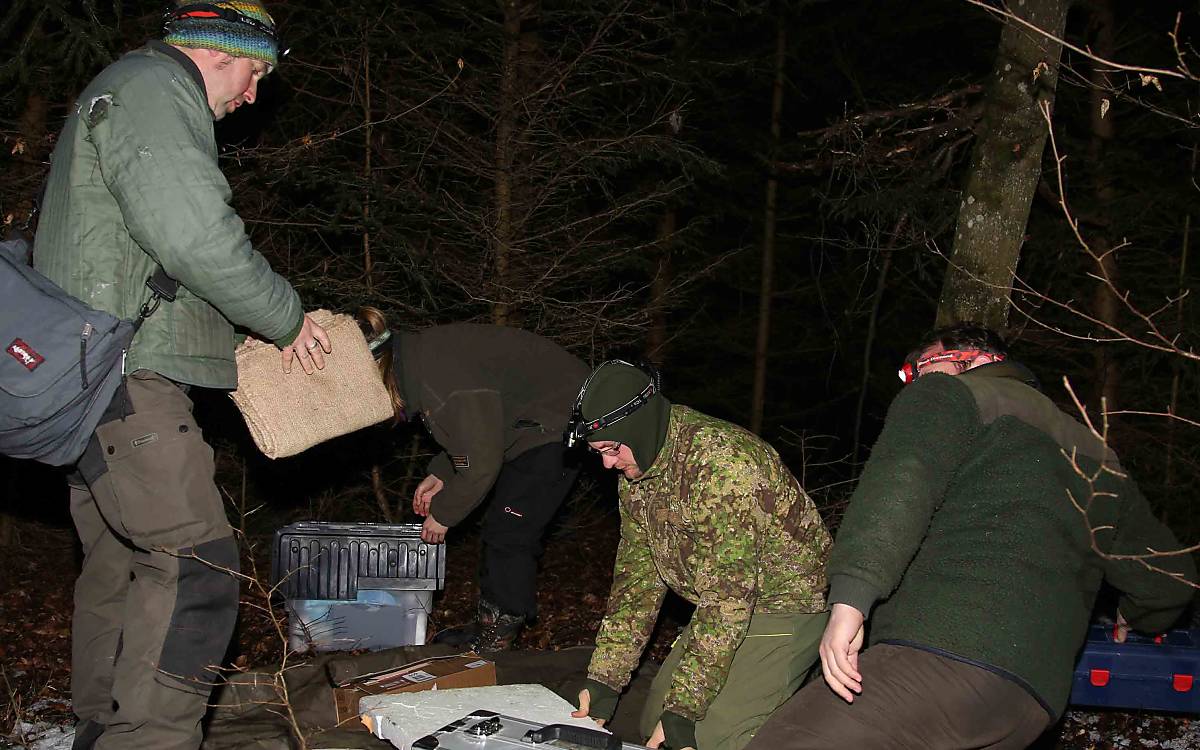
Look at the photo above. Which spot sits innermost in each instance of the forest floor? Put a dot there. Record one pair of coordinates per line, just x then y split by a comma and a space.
37, 572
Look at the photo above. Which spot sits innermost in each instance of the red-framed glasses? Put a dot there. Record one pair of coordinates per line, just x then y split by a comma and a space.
911, 370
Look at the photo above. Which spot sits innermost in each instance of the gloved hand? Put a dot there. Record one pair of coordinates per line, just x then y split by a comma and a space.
600, 702
679, 732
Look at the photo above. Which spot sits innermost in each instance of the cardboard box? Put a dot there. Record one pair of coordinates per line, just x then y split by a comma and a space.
439, 673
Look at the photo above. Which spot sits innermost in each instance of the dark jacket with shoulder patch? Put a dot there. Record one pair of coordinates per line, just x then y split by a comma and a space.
973, 527
487, 394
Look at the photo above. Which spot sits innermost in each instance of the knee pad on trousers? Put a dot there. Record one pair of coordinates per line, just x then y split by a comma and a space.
206, 606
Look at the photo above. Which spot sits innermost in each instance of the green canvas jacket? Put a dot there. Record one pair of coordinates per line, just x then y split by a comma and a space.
487, 394
134, 181
719, 520
968, 528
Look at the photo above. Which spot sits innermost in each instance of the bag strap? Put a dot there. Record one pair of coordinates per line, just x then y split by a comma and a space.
162, 287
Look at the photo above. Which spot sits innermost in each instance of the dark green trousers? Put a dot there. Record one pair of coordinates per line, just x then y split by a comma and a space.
156, 601
777, 654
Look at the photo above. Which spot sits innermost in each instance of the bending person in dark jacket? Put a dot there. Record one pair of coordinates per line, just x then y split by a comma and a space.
497, 400
965, 543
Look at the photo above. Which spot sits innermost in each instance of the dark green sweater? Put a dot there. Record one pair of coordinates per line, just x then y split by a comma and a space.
964, 528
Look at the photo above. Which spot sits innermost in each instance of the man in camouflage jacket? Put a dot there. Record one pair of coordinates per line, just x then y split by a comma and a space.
717, 518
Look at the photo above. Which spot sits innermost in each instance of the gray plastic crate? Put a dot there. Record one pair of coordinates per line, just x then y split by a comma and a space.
356, 585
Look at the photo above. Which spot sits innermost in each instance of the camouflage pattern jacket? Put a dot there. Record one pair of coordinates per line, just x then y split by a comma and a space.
720, 521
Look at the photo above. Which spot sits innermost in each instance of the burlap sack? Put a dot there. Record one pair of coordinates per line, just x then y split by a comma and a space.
290, 413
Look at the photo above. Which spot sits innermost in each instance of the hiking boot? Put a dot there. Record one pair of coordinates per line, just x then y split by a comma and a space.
497, 630
492, 630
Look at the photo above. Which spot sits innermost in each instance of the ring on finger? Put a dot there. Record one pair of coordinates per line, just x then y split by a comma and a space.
311, 345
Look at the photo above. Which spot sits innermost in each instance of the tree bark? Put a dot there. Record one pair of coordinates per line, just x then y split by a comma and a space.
1006, 164
770, 219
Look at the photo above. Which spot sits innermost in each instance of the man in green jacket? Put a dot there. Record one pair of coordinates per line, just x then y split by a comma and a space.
709, 511
976, 540
134, 186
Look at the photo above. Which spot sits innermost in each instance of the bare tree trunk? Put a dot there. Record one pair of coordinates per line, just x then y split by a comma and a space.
1005, 167
506, 128
1176, 363
770, 219
660, 286
368, 265
1105, 304
872, 325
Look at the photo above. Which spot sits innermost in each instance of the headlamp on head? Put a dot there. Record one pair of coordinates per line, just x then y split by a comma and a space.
183, 14
911, 369
578, 428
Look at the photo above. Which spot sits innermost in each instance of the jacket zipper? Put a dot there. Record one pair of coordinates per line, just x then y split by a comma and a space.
83, 342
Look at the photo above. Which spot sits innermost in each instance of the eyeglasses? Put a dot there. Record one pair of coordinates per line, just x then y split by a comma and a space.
912, 370
611, 450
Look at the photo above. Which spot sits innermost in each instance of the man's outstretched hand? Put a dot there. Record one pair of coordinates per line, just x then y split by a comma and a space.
840, 645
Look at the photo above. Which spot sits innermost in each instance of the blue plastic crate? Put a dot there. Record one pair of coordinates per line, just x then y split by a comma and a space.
376, 619
1154, 673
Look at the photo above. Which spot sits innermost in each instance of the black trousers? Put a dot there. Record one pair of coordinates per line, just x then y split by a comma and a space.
528, 493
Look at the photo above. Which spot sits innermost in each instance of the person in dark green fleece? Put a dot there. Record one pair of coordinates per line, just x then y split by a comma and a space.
976, 540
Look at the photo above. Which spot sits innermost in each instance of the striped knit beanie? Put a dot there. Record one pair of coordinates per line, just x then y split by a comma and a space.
237, 27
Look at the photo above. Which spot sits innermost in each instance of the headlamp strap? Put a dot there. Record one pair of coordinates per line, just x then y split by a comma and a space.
377, 342
579, 429
910, 370
209, 11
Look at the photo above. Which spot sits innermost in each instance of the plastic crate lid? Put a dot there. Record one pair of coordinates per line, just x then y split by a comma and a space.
332, 560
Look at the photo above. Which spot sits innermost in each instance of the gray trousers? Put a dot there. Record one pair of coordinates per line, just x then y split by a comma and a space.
910, 699
772, 662
155, 603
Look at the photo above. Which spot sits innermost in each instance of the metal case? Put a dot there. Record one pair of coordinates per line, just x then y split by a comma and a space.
488, 730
